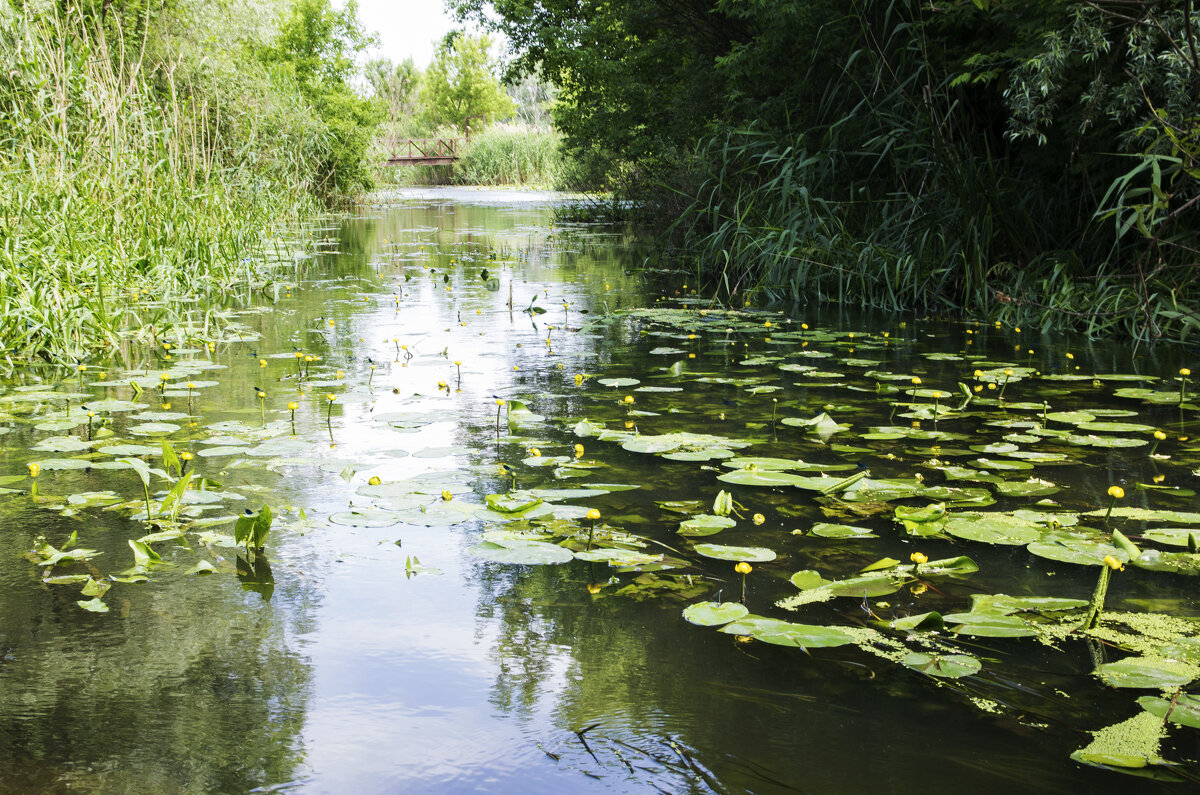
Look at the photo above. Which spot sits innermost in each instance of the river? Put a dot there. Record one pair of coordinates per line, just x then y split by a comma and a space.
401, 633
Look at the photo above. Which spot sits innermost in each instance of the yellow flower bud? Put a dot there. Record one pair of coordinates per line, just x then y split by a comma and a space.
34, 470
1159, 435
1116, 491
919, 558
593, 514
293, 406
759, 518
447, 495
1113, 563
743, 568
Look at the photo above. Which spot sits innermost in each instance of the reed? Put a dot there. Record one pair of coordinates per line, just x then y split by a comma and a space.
131, 190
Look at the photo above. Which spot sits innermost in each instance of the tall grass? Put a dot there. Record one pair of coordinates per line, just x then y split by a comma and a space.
130, 188
882, 202
503, 154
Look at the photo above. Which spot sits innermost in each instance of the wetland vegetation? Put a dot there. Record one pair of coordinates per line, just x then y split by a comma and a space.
440, 492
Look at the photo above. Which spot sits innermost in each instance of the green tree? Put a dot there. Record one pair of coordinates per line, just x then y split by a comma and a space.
316, 47
395, 84
462, 82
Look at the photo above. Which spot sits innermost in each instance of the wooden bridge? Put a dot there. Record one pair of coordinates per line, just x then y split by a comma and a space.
424, 151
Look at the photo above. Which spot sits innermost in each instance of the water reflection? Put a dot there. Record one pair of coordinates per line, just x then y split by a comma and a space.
362, 671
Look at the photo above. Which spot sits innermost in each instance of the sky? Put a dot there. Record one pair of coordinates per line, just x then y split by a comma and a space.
406, 28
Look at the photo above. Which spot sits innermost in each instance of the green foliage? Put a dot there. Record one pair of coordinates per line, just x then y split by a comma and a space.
512, 156
461, 84
973, 156
251, 529
315, 47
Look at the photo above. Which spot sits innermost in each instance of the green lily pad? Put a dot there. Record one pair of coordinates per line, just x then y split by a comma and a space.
713, 614
618, 382
828, 530
1026, 488
365, 517
989, 625
949, 666
614, 556
1184, 710
994, 529
1146, 672
784, 633
532, 553
1067, 547
512, 502
705, 525
748, 554
93, 605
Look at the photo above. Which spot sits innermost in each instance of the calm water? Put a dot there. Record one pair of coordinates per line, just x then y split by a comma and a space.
358, 669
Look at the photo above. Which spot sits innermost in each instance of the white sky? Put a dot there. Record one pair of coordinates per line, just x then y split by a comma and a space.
406, 28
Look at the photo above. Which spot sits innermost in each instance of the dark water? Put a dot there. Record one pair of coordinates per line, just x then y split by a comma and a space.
357, 675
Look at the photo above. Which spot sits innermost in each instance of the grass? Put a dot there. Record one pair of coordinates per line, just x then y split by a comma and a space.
130, 191
500, 155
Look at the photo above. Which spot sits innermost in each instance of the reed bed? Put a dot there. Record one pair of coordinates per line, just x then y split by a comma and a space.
131, 190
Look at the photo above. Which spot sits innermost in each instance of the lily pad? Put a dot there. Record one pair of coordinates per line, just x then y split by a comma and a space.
713, 614
1146, 672
532, 553
949, 666
748, 554
705, 525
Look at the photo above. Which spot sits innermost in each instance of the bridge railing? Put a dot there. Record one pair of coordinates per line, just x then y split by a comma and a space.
418, 148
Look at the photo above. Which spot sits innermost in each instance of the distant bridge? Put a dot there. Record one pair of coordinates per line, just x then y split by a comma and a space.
425, 151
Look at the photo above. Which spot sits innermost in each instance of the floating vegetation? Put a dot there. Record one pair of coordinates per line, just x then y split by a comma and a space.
935, 514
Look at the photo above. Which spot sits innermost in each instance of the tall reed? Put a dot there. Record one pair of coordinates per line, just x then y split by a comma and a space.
127, 196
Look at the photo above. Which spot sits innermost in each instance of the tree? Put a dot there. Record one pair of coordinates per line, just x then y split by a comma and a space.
395, 84
462, 83
317, 45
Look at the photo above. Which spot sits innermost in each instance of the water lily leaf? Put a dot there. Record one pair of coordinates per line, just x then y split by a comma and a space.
61, 444
587, 428
827, 530
1067, 547
519, 415
782, 464
153, 429
923, 513
705, 525
923, 622
512, 502
534, 553
203, 567
1117, 427
1173, 536
1002, 465
1026, 488
1003, 604
712, 454
1175, 562
618, 557
1146, 672
748, 554
807, 579
950, 666
823, 425
1185, 710
784, 633
1139, 514
93, 605
653, 444
882, 490
989, 626
96, 588
994, 528
365, 517
1070, 417
772, 478
618, 382
1103, 441
713, 614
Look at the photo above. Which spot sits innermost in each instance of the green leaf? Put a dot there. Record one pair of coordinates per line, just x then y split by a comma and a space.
949, 666
712, 614
748, 554
1147, 672
1185, 710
